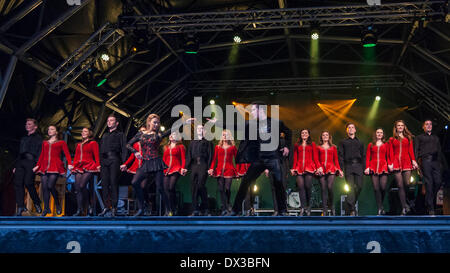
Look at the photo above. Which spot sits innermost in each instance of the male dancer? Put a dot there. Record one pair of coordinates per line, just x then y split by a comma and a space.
198, 158
113, 152
262, 160
284, 159
29, 151
428, 150
352, 156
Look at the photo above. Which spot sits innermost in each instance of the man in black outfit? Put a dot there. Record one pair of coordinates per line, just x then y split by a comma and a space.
29, 151
352, 157
284, 170
113, 152
198, 158
261, 158
428, 151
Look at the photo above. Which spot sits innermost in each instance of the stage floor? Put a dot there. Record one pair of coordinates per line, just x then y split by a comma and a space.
254, 234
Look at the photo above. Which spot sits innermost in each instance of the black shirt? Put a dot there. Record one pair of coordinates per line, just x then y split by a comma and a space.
426, 144
114, 142
350, 150
31, 144
202, 149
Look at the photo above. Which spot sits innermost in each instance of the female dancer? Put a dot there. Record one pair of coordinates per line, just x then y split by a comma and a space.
377, 160
49, 166
224, 153
403, 160
85, 164
304, 166
174, 157
152, 163
327, 169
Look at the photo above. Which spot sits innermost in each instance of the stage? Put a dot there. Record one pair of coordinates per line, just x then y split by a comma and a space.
254, 234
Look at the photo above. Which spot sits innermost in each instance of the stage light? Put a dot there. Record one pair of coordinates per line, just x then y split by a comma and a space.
191, 44
377, 98
237, 39
369, 37
180, 113
105, 57
346, 187
234, 103
255, 188
134, 49
412, 179
163, 128
212, 102
102, 82
315, 34
446, 127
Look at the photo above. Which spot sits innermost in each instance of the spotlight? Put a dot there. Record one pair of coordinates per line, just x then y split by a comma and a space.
255, 188
191, 44
446, 127
105, 57
377, 98
134, 49
180, 114
237, 39
102, 82
234, 103
346, 187
212, 102
163, 128
412, 179
315, 34
369, 37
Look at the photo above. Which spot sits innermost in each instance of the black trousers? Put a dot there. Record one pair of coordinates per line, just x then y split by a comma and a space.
431, 171
24, 177
354, 177
254, 171
110, 171
198, 185
284, 181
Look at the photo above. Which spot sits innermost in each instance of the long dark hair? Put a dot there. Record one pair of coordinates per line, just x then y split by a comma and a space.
374, 136
58, 132
300, 140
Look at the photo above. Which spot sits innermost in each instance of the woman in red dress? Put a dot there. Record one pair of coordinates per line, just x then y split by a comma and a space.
377, 160
175, 158
85, 164
304, 167
224, 153
403, 160
327, 169
50, 166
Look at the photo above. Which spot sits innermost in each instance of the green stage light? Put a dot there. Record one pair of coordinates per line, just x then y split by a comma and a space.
237, 39
102, 82
377, 98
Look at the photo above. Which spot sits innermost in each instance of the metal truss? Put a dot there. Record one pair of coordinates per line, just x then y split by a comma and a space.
296, 84
349, 15
82, 58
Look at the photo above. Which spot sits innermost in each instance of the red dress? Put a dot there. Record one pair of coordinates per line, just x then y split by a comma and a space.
377, 158
242, 168
50, 158
224, 157
328, 159
86, 157
401, 155
174, 158
137, 163
305, 158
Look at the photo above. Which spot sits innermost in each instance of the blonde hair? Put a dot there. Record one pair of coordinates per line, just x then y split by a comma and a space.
230, 140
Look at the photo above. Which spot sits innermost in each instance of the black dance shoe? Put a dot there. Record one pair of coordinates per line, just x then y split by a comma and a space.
113, 212
195, 213
20, 210
308, 211
38, 208
301, 212
45, 212
275, 213
78, 213
58, 209
104, 212
140, 212
232, 213
224, 212
90, 211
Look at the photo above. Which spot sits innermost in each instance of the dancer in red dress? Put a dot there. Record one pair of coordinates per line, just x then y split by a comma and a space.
175, 158
86, 163
403, 160
50, 166
377, 160
306, 160
224, 153
327, 169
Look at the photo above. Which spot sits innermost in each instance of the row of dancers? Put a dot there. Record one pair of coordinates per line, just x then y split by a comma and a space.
325, 161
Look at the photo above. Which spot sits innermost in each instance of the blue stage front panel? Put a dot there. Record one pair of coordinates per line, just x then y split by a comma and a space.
226, 235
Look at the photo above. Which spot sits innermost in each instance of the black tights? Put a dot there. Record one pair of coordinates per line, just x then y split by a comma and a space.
225, 191
170, 182
81, 191
48, 186
326, 182
402, 179
304, 185
379, 186
139, 182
